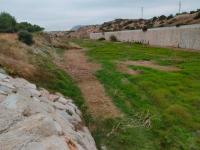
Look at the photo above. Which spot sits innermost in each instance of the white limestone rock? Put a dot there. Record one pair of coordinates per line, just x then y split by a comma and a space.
32, 119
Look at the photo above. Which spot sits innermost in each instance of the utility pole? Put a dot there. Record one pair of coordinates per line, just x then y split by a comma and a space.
180, 4
142, 12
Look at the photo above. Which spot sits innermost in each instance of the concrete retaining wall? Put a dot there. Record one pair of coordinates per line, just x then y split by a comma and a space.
183, 37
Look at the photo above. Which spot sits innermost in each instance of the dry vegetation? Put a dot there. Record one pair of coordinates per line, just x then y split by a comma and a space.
15, 56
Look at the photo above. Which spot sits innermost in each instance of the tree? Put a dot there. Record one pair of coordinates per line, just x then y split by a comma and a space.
7, 23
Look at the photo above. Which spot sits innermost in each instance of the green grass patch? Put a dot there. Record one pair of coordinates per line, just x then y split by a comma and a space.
172, 99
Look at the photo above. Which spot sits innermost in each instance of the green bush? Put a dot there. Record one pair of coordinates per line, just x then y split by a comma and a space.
180, 24
102, 39
197, 16
162, 17
28, 27
7, 23
170, 17
25, 37
154, 19
113, 38
144, 29
192, 12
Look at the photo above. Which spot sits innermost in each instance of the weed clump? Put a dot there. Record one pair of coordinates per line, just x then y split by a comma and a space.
179, 24
25, 37
101, 39
113, 38
197, 16
170, 17
144, 29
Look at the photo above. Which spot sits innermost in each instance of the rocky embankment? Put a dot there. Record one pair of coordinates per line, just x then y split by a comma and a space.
32, 119
184, 18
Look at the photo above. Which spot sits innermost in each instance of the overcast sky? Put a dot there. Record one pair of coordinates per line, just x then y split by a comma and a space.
64, 14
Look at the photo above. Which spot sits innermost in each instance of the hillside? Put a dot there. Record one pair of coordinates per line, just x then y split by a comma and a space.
161, 21
133, 24
83, 32
75, 28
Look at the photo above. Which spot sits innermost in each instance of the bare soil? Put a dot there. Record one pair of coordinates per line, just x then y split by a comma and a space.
153, 65
124, 69
77, 66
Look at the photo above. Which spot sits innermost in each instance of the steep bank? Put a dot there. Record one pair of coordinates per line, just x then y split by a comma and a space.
34, 118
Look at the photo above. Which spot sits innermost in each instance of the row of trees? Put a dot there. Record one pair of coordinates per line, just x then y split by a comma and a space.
9, 24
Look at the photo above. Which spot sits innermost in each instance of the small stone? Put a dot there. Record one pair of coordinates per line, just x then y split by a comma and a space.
6, 80
59, 129
9, 85
2, 71
62, 101
31, 86
26, 112
2, 92
59, 106
53, 98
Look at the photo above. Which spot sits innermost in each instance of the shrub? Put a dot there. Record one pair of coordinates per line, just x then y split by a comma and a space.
129, 28
183, 13
144, 29
113, 38
25, 37
28, 27
179, 24
170, 17
192, 12
7, 23
138, 42
101, 39
197, 16
154, 19
162, 17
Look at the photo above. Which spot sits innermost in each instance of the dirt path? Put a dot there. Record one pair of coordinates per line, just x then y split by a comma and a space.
82, 71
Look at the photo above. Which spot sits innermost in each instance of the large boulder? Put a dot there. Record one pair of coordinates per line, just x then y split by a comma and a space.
32, 119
